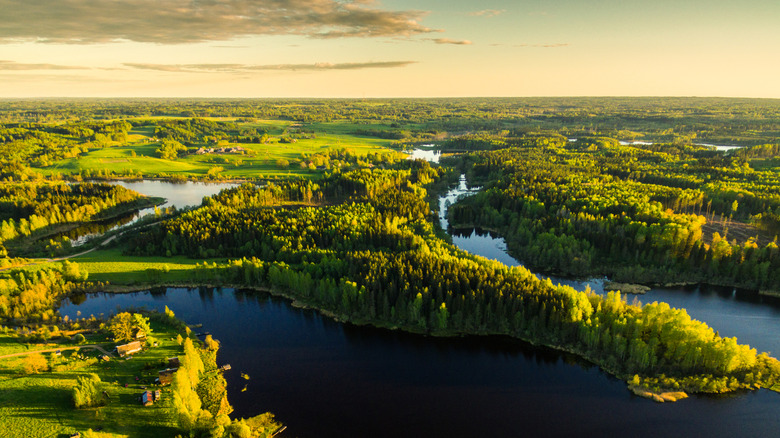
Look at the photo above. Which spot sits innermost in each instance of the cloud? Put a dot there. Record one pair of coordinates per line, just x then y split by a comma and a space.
192, 21
488, 13
244, 68
40, 78
451, 41
12, 65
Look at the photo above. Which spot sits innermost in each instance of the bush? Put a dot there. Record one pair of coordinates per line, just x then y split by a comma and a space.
35, 363
88, 392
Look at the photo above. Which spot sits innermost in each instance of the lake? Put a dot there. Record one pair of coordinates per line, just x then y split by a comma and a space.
176, 194
753, 319
326, 379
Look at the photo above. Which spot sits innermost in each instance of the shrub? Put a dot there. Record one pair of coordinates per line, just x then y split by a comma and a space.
88, 392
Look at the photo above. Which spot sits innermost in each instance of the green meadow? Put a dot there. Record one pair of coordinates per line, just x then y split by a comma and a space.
258, 161
113, 267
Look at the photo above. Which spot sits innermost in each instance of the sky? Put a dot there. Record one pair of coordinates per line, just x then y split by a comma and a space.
389, 48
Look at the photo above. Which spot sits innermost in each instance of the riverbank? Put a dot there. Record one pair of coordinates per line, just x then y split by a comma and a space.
662, 397
32, 245
626, 288
614, 281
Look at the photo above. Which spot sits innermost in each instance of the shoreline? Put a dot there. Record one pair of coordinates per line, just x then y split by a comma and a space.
594, 275
663, 396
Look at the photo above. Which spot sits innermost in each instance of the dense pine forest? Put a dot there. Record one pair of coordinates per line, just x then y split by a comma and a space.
641, 213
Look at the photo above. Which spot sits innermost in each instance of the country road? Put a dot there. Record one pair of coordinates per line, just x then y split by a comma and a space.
59, 259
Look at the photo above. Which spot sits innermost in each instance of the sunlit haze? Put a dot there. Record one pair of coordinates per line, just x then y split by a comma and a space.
389, 48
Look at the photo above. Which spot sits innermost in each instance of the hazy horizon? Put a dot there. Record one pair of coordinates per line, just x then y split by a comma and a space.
389, 49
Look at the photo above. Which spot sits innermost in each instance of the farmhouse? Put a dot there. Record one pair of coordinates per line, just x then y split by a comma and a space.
166, 376
146, 398
128, 349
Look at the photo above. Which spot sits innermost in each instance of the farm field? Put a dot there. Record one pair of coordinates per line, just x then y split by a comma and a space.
256, 160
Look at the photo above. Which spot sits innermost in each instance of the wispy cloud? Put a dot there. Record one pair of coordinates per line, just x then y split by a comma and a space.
244, 68
9, 77
487, 13
16, 66
190, 21
451, 41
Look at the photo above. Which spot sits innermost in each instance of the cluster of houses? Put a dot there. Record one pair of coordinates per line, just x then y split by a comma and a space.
228, 150
164, 377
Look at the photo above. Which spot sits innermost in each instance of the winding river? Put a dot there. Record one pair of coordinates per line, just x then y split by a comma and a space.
325, 379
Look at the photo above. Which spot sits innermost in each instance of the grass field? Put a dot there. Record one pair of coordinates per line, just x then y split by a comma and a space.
259, 161
41, 405
111, 266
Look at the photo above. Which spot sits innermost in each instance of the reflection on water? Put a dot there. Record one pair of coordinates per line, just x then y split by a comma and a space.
178, 195
81, 235
425, 154
326, 379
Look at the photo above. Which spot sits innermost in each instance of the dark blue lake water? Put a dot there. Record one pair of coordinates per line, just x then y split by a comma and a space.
325, 379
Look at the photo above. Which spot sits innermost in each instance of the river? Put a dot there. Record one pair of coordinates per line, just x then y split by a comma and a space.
325, 379
753, 319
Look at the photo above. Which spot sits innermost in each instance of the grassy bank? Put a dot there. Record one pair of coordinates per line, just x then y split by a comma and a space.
41, 404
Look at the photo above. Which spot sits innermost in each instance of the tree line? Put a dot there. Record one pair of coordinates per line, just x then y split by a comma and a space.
377, 259
620, 210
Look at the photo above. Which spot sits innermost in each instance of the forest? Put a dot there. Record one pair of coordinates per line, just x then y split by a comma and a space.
329, 213
639, 213
35, 217
376, 259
